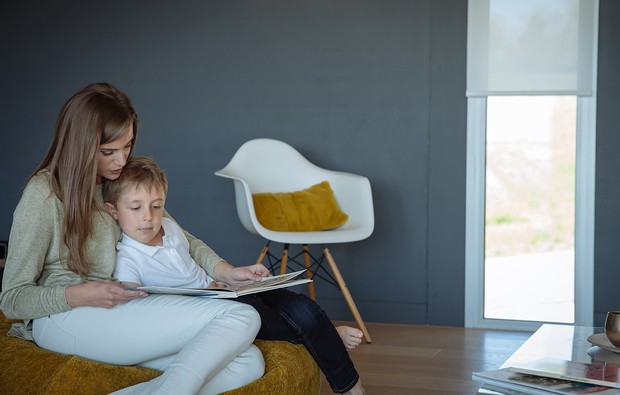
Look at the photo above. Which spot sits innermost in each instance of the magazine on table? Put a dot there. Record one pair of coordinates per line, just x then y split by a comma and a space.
266, 284
488, 389
600, 373
538, 385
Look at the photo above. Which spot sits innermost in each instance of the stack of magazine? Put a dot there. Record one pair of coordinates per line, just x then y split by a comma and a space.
553, 376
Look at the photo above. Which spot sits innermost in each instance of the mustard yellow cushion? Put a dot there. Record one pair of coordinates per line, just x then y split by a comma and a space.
311, 209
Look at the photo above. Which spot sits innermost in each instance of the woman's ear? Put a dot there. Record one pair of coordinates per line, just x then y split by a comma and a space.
111, 209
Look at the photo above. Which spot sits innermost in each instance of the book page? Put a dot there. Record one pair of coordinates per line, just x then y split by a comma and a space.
267, 281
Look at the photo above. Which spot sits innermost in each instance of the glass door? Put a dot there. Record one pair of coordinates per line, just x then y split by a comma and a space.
530, 209
531, 129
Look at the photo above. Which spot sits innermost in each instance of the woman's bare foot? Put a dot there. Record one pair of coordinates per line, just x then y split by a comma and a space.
357, 389
351, 337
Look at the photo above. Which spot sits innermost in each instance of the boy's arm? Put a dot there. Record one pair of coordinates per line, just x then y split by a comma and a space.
126, 271
204, 256
216, 267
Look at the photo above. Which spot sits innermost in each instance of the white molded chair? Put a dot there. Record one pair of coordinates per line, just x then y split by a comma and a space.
269, 166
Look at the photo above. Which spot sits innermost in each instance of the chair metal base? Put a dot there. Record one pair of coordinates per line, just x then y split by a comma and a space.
315, 269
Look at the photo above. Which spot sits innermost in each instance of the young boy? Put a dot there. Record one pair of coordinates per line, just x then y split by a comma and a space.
153, 249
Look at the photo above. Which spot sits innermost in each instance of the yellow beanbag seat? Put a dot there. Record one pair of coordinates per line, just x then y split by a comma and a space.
26, 368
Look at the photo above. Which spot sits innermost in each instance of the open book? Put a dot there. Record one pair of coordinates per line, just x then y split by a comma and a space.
266, 284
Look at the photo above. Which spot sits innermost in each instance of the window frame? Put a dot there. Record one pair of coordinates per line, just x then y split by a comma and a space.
475, 214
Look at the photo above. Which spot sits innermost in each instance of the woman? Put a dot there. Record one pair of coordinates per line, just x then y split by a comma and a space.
58, 270
35, 278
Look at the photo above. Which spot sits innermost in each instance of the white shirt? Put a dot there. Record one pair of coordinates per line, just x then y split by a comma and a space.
169, 265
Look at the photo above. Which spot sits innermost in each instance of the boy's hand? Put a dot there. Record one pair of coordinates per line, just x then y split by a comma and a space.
229, 274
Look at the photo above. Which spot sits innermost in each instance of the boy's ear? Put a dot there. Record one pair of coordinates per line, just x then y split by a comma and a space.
111, 209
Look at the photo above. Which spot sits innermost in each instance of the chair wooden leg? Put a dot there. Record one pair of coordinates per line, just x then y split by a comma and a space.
284, 260
309, 274
262, 255
347, 295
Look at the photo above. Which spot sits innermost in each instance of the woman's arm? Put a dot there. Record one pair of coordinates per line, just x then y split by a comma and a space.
33, 229
36, 281
103, 293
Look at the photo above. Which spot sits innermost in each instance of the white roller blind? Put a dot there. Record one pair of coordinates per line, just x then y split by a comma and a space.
530, 47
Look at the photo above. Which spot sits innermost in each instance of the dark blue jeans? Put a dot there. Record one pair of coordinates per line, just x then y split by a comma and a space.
297, 319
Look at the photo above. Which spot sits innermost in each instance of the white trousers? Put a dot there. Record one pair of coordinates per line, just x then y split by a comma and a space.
204, 346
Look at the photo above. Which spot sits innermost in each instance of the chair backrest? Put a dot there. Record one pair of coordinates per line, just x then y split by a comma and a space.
268, 165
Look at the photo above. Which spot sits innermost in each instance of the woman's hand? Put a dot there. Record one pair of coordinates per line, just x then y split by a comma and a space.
104, 293
231, 275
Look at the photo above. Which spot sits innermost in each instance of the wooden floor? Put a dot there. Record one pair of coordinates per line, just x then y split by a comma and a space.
411, 359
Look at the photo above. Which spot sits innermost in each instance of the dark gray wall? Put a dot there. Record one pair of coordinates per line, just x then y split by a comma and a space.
607, 218
360, 86
371, 87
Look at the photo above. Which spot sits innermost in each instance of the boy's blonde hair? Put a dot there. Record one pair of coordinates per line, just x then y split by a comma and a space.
139, 171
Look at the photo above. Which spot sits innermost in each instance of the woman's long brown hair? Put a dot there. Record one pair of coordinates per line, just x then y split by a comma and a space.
97, 114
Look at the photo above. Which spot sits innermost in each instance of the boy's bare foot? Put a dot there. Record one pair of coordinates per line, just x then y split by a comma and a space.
357, 389
351, 337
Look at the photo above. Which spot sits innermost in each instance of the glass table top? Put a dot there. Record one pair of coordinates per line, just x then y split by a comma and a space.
566, 342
